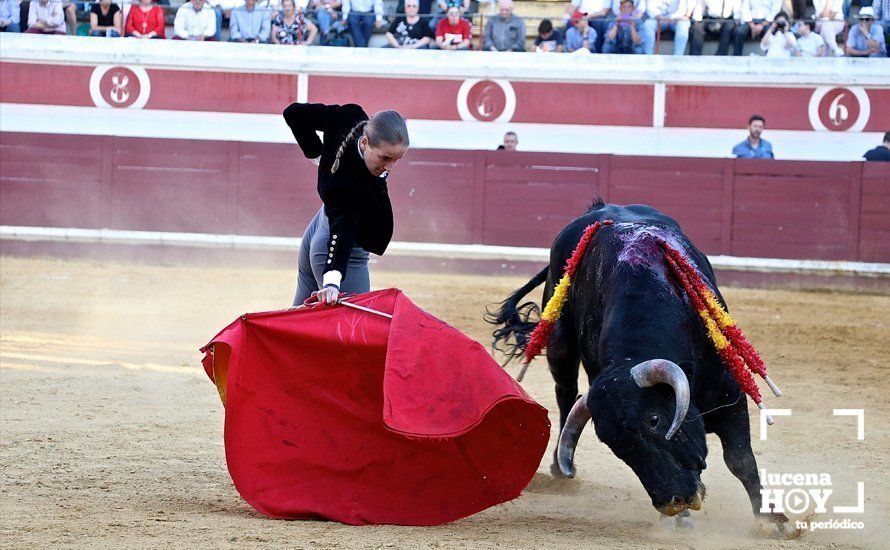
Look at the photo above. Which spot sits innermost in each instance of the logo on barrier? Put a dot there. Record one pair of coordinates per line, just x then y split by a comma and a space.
119, 87
839, 109
486, 100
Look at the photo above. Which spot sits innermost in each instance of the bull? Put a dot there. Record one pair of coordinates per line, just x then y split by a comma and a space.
656, 383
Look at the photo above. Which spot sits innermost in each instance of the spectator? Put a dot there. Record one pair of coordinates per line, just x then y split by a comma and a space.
249, 24
830, 23
453, 32
809, 44
506, 32
10, 16
442, 6
195, 20
599, 13
146, 21
45, 17
105, 19
511, 140
361, 17
718, 16
881, 152
865, 38
754, 147
409, 32
779, 41
327, 12
291, 27
668, 14
580, 36
223, 10
548, 39
882, 17
70, 9
756, 17
623, 35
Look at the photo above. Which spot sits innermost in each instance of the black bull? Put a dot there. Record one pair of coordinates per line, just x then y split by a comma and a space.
657, 384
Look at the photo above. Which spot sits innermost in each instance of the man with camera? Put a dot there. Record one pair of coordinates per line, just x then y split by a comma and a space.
779, 41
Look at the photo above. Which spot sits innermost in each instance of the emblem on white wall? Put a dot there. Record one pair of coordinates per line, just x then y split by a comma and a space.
839, 109
486, 100
120, 87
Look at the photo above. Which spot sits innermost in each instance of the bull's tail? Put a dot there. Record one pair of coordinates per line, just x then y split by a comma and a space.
516, 322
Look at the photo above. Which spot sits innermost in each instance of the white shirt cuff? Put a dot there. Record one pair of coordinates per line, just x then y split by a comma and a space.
331, 278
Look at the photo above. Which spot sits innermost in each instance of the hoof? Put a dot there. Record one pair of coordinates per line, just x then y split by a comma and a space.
556, 472
684, 520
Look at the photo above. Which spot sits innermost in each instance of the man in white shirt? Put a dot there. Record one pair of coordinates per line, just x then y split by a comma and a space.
599, 14
756, 18
194, 20
668, 14
830, 23
779, 41
717, 16
809, 44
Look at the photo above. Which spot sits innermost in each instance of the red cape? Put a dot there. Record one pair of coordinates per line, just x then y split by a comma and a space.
341, 414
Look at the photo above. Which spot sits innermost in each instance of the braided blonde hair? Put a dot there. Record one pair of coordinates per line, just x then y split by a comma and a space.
383, 127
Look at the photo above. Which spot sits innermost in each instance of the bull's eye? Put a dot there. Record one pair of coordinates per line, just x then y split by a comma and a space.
653, 420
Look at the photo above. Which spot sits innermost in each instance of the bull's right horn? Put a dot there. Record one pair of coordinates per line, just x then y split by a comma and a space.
662, 371
579, 416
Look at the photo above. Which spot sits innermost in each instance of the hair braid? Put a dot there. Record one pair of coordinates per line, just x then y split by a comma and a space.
350, 137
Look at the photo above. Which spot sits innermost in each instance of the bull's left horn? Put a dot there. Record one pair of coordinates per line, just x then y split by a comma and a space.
578, 417
662, 371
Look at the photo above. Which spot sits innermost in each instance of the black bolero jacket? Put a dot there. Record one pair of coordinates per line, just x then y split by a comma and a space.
356, 202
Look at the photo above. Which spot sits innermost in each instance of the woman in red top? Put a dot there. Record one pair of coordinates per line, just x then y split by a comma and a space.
453, 32
146, 21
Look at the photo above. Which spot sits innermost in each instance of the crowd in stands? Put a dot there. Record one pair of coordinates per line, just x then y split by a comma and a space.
784, 28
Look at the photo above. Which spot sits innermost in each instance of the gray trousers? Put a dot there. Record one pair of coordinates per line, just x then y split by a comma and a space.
314, 254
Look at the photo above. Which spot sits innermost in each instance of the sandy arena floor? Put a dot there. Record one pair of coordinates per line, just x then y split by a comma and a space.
111, 434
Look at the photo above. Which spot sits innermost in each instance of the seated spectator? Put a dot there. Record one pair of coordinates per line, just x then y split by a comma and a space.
882, 17
362, 16
599, 13
756, 18
441, 8
865, 39
70, 9
717, 16
291, 27
506, 32
326, 12
45, 17
10, 16
453, 32
146, 20
548, 39
249, 24
581, 36
668, 14
754, 147
623, 35
809, 44
779, 41
223, 10
105, 19
511, 140
881, 152
195, 20
410, 32
830, 23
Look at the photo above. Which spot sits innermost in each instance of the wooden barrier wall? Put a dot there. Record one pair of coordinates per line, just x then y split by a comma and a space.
773, 209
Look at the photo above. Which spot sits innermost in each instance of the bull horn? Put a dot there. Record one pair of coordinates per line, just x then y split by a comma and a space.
661, 371
578, 417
